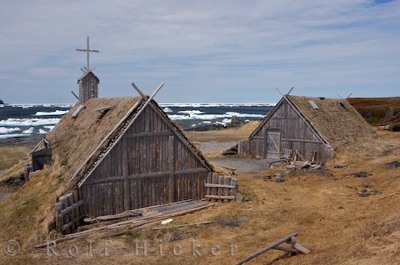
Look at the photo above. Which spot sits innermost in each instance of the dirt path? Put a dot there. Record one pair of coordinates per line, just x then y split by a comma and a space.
241, 165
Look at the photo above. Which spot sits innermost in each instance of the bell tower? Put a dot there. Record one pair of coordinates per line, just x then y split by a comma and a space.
88, 82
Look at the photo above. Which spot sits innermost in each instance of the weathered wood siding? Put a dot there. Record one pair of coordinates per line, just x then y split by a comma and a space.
88, 88
150, 165
295, 134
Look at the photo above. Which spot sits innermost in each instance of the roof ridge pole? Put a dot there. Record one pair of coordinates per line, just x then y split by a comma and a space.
287, 94
280, 92
138, 90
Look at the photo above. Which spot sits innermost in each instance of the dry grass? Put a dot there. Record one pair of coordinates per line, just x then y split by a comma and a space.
337, 225
224, 135
378, 110
10, 155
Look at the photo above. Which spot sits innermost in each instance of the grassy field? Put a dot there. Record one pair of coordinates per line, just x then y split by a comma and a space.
334, 222
378, 111
10, 155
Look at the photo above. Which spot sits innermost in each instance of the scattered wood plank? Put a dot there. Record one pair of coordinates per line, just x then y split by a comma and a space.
77, 111
103, 109
221, 197
134, 213
136, 223
182, 225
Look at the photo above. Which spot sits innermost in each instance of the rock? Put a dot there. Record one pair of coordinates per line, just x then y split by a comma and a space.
278, 178
340, 166
393, 164
267, 178
247, 199
365, 185
375, 192
363, 193
361, 174
239, 197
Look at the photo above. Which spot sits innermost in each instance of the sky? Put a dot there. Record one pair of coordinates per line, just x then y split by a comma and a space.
204, 51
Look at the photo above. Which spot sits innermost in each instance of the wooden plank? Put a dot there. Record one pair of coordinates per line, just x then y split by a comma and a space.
71, 208
104, 108
77, 111
59, 217
77, 198
71, 214
221, 182
171, 164
234, 182
133, 224
214, 179
125, 174
301, 140
227, 181
65, 217
272, 246
212, 185
220, 197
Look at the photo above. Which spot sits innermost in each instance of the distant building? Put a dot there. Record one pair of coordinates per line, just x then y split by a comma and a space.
312, 127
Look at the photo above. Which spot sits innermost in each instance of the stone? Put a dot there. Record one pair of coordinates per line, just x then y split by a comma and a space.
361, 174
393, 164
365, 185
239, 197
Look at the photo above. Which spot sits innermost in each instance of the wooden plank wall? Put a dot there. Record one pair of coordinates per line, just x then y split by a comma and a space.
149, 166
295, 135
88, 88
69, 212
221, 188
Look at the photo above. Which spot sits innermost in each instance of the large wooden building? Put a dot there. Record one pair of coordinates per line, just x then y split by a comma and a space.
122, 154
313, 127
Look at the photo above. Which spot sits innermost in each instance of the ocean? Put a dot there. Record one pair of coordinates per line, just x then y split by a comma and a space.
30, 122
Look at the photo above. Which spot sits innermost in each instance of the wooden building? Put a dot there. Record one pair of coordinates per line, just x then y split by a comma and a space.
120, 156
313, 127
88, 86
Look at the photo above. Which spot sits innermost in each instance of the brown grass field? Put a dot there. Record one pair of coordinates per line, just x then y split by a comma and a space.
333, 221
378, 111
10, 155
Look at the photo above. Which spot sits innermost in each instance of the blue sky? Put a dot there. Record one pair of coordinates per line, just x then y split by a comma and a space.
204, 51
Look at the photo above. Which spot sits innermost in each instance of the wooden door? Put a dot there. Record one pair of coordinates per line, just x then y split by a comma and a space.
273, 145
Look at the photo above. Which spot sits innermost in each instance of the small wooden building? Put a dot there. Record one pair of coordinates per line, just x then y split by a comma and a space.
119, 157
88, 86
311, 126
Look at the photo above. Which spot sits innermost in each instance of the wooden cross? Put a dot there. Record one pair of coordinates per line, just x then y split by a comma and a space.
87, 50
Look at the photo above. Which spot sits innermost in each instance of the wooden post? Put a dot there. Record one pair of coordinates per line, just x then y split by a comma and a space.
209, 180
65, 218
227, 181
125, 174
59, 218
71, 214
77, 211
287, 239
220, 189
171, 164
